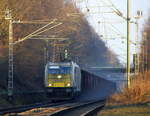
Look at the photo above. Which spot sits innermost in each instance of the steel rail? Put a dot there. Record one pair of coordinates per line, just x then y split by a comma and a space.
79, 107
94, 111
20, 109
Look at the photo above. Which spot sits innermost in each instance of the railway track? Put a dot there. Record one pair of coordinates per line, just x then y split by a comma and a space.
29, 107
81, 109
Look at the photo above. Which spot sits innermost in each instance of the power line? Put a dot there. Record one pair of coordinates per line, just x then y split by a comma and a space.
37, 32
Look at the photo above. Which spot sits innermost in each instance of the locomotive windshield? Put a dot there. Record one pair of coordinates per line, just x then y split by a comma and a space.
59, 70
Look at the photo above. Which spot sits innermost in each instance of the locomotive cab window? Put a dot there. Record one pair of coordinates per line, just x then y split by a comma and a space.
60, 70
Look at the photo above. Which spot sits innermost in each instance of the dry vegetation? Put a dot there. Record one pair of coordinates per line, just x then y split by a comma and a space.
138, 93
131, 102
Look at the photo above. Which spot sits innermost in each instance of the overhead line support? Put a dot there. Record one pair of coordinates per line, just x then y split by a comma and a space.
10, 85
128, 44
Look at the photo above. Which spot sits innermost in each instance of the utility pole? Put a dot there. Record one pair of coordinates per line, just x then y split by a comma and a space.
8, 16
128, 43
137, 17
136, 55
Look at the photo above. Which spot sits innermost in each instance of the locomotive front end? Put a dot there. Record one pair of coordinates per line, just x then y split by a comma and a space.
58, 81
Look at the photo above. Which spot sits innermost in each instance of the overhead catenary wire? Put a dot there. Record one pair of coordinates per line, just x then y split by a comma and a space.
37, 32
116, 10
24, 38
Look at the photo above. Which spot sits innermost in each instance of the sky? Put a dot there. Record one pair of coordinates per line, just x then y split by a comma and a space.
111, 27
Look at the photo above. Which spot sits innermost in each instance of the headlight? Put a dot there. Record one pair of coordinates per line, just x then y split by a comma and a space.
59, 76
49, 84
68, 84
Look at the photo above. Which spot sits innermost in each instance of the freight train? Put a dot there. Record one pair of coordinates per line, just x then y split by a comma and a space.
65, 80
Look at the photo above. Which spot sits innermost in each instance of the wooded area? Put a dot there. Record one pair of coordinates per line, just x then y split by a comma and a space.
29, 55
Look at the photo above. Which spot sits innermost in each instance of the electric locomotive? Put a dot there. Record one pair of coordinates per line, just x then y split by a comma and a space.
62, 80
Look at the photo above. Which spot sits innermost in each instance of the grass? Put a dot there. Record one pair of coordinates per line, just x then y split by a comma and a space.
126, 111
